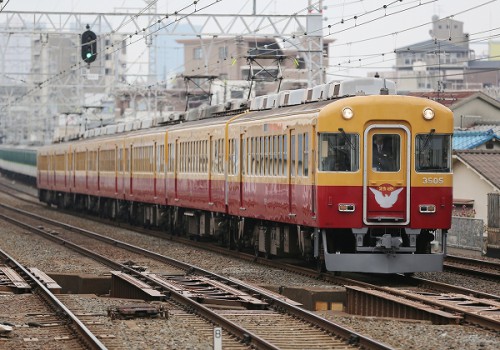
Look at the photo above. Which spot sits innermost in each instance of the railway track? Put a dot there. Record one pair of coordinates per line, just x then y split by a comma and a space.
40, 318
486, 269
427, 285
285, 314
463, 265
22, 194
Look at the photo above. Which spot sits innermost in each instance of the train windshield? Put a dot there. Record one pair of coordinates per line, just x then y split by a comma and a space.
338, 152
386, 152
433, 153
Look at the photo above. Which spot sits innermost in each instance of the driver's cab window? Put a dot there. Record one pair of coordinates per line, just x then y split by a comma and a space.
386, 152
338, 152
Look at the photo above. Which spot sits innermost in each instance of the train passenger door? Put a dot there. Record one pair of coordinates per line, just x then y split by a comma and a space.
122, 160
310, 150
66, 174
87, 169
176, 168
98, 168
291, 170
130, 169
210, 168
73, 167
155, 162
117, 167
386, 190
241, 159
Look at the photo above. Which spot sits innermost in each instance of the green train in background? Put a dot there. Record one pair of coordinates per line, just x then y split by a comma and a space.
18, 162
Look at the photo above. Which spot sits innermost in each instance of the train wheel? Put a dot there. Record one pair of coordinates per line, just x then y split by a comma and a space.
320, 265
256, 251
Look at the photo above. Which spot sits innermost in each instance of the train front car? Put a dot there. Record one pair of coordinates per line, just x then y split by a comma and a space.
384, 182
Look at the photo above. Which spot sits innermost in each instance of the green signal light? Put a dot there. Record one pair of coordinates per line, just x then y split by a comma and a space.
89, 54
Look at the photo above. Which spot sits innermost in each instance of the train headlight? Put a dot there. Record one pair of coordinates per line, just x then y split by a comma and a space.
347, 113
428, 114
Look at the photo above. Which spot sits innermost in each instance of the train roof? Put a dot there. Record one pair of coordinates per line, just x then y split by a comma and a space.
279, 104
20, 148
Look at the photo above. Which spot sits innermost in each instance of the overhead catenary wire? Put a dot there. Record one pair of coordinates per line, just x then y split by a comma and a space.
361, 59
382, 56
61, 74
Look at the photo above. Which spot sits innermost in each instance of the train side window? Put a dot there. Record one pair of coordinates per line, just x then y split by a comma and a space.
174, 156
236, 155
134, 163
250, 155
216, 156
255, 151
148, 159
169, 160
207, 155
285, 155
203, 158
292, 155
199, 157
267, 156
187, 157
126, 159
161, 158
338, 152
221, 156
306, 154
135, 159
181, 157
279, 149
433, 153
275, 155
230, 152
233, 157
300, 154
262, 155
194, 157
243, 157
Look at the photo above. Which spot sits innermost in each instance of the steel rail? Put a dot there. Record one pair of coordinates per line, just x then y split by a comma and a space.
88, 339
331, 327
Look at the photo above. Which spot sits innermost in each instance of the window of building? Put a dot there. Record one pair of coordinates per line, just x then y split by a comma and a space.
223, 52
197, 53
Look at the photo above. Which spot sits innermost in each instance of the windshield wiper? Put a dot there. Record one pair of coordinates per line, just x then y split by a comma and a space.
427, 139
347, 139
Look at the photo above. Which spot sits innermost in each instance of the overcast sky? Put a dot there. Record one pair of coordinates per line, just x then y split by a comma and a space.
370, 38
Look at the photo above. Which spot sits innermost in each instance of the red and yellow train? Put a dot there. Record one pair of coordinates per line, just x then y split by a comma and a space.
346, 174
